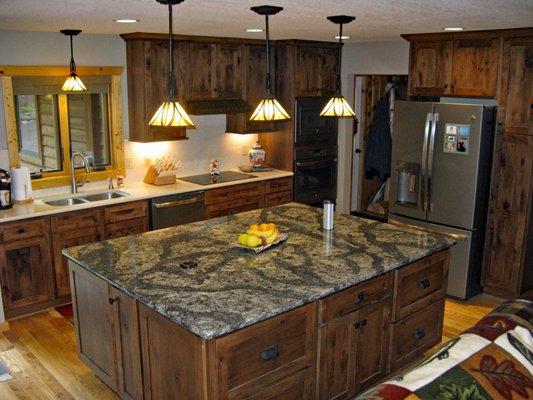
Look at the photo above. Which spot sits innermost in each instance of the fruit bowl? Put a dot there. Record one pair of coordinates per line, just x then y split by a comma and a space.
260, 237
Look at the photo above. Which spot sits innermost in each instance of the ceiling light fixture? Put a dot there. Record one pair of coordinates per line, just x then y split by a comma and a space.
254, 30
126, 20
337, 106
73, 83
454, 29
269, 108
170, 113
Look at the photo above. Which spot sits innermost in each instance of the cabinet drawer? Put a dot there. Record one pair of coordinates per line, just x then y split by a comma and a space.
126, 211
270, 350
416, 334
76, 220
232, 207
278, 185
275, 199
231, 193
420, 283
125, 228
22, 230
355, 297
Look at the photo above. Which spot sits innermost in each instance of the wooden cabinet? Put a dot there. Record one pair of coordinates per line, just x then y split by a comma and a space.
506, 271
462, 67
515, 98
315, 70
354, 321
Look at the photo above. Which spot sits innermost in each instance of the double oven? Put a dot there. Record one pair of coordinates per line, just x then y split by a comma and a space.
315, 153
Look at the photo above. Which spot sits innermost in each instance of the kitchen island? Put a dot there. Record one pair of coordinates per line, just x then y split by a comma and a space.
184, 313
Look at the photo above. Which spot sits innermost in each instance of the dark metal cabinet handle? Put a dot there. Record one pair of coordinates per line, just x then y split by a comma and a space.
419, 334
20, 230
445, 86
359, 324
360, 296
112, 300
270, 353
424, 284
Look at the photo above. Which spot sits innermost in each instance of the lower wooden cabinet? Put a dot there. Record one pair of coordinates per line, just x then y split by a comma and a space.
353, 351
125, 228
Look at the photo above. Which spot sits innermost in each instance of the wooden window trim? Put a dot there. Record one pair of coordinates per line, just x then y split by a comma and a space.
115, 123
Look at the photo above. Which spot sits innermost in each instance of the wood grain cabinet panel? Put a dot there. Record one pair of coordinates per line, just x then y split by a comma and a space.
516, 86
300, 385
277, 199
126, 228
25, 273
21, 230
126, 211
430, 68
475, 67
201, 60
315, 71
76, 220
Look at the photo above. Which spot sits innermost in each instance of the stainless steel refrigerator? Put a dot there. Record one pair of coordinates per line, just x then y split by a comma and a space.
440, 179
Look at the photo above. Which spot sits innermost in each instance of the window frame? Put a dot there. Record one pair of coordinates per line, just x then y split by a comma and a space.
115, 123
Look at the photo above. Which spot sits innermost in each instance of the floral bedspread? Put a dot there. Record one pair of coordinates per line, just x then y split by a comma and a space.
492, 360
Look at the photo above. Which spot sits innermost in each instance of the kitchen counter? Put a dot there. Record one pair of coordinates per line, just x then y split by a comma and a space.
195, 275
136, 191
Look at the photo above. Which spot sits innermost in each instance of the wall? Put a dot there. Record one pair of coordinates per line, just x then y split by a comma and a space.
362, 59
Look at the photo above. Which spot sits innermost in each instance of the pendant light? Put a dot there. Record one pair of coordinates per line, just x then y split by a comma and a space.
73, 83
337, 106
269, 108
170, 112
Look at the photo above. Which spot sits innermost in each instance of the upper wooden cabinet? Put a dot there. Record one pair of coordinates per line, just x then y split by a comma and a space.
466, 67
516, 86
315, 70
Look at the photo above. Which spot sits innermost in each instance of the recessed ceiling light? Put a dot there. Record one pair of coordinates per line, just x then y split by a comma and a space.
454, 29
254, 30
342, 37
126, 20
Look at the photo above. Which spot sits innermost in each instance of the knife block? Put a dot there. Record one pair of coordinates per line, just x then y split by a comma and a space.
163, 178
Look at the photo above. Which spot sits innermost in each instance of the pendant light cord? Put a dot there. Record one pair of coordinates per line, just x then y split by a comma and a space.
339, 63
72, 63
268, 77
171, 83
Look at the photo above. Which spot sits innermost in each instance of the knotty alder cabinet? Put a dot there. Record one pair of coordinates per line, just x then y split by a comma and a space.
329, 349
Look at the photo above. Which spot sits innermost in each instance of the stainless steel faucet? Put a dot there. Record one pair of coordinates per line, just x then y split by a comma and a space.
85, 162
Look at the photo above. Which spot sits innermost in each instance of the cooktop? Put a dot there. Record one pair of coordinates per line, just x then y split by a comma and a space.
208, 179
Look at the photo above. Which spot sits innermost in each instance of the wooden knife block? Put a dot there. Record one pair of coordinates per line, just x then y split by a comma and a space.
153, 178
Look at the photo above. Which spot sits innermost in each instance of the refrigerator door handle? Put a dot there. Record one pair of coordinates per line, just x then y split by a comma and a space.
423, 186
434, 119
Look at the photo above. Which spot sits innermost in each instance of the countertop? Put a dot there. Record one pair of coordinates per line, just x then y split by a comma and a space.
136, 191
231, 287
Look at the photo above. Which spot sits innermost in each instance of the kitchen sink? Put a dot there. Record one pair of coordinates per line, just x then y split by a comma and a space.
88, 198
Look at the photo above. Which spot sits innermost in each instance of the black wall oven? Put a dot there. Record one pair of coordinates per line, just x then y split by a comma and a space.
311, 128
315, 180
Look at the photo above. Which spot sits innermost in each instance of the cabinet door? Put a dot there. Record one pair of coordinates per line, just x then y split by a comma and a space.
328, 70
201, 62
63, 240
228, 72
25, 272
516, 86
95, 324
307, 70
127, 345
475, 67
429, 68
372, 344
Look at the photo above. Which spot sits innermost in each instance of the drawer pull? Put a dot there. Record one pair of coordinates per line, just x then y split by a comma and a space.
419, 334
112, 300
359, 324
360, 297
20, 230
423, 284
270, 353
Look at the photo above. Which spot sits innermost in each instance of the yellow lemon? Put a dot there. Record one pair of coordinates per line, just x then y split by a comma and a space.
253, 241
242, 239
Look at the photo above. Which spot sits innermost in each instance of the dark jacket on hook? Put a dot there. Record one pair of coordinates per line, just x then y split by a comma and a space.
379, 143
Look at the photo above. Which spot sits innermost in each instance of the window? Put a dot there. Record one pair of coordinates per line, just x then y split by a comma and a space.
49, 125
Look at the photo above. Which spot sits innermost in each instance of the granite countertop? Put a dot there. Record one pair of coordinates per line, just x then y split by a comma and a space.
135, 190
231, 287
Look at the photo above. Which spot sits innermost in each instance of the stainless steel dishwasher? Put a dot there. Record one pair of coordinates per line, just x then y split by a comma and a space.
176, 209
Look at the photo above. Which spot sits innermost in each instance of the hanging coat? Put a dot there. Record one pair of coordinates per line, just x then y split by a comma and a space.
378, 143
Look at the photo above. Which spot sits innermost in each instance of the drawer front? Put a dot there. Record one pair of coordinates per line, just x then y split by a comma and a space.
22, 230
230, 193
355, 297
76, 220
420, 283
232, 207
269, 350
278, 185
124, 212
125, 228
276, 199
414, 335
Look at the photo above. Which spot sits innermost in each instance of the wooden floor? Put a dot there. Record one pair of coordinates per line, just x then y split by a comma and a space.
39, 352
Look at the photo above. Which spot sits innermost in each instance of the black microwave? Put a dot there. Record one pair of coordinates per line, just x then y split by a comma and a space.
311, 128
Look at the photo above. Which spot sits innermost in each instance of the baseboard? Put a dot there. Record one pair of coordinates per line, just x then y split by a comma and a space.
4, 326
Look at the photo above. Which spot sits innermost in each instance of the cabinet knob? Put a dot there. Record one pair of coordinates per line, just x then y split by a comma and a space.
357, 325
112, 300
270, 353
424, 283
419, 334
20, 230
98, 235
360, 296
445, 86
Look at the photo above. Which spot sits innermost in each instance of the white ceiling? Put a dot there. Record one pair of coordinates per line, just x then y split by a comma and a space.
300, 19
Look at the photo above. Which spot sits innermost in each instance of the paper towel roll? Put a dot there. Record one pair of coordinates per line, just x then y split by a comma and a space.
21, 184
